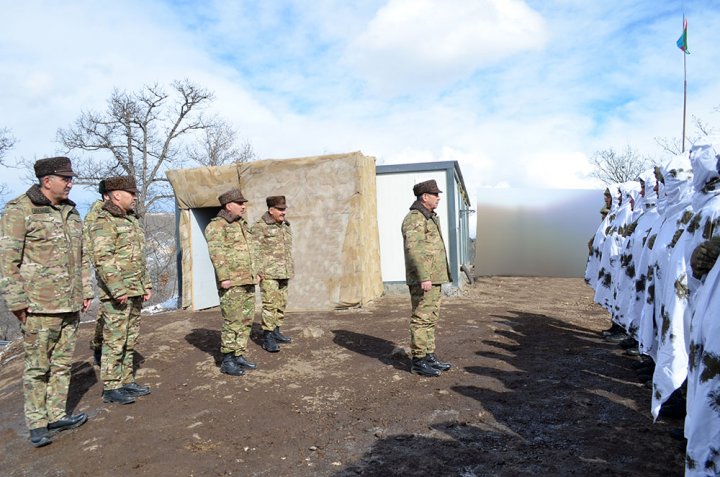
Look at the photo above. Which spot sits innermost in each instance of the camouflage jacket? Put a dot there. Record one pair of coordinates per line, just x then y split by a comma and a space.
118, 253
88, 222
274, 248
42, 264
231, 248
425, 255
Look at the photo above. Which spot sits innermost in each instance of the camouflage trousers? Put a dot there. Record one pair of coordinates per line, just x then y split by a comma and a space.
49, 342
274, 301
425, 316
97, 340
237, 305
120, 334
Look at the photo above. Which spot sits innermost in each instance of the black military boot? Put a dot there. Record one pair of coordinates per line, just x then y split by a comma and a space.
68, 422
422, 367
279, 337
136, 390
241, 361
119, 396
230, 366
40, 437
269, 343
437, 364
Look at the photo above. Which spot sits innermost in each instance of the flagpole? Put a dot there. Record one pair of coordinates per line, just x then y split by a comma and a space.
684, 98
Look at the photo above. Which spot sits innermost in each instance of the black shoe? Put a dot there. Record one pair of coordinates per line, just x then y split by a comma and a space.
241, 361
647, 363
673, 410
68, 422
677, 433
229, 366
269, 343
279, 337
40, 437
118, 396
617, 337
435, 363
97, 356
422, 367
614, 328
134, 389
628, 343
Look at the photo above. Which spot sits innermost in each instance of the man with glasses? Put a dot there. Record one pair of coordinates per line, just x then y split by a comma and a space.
426, 269
45, 279
124, 282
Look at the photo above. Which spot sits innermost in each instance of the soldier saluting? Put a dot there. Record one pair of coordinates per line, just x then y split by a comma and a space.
426, 269
45, 277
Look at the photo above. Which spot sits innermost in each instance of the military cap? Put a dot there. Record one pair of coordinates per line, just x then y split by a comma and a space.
56, 166
233, 195
277, 201
427, 187
126, 183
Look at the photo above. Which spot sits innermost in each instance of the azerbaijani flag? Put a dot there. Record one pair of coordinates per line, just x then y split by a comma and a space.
682, 41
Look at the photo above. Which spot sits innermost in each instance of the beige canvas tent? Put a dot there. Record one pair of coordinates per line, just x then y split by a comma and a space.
332, 211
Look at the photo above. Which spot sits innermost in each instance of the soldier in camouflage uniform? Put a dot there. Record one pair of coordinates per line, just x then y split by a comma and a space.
96, 343
274, 252
45, 278
230, 245
426, 269
124, 283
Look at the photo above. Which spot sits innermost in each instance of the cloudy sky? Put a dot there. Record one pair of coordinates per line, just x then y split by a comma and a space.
521, 93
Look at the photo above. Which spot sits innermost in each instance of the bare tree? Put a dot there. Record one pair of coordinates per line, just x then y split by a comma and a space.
143, 134
702, 128
7, 142
611, 166
217, 146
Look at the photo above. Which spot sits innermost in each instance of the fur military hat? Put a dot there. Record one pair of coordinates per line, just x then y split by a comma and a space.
126, 183
101, 187
233, 195
427, 187
277, 201
56, 166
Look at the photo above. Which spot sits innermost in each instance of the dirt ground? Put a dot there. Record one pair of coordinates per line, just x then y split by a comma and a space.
533, 390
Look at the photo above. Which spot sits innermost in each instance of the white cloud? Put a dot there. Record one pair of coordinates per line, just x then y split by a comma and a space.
411, 44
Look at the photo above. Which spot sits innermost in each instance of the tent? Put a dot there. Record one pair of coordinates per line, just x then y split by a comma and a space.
333, 214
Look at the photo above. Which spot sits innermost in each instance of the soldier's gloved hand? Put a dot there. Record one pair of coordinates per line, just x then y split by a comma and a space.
704, 257
590, 242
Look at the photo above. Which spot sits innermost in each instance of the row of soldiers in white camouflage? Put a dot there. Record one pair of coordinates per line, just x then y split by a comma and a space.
45, 278
652, 266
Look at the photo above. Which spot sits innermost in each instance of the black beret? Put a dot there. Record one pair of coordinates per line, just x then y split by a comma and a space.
427, 187
126, 183
57, 166
277, 201
233, 195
